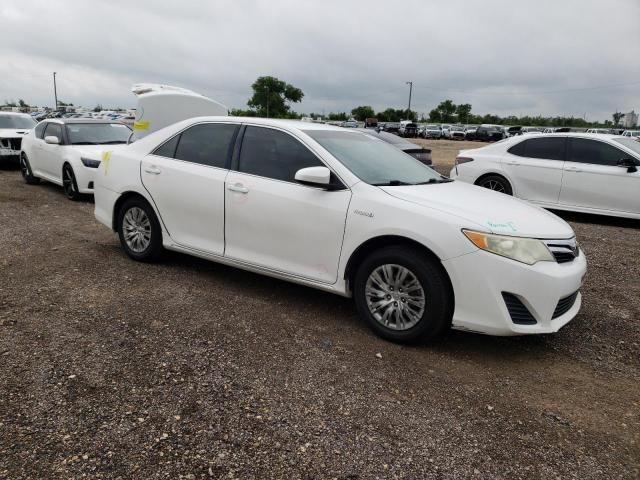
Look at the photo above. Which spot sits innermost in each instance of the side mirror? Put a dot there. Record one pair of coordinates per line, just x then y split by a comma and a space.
631, 164
316, 177
52, 140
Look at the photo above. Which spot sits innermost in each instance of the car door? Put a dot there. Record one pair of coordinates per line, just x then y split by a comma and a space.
592, 178
534, 167
276, 223
185, 177
50, 154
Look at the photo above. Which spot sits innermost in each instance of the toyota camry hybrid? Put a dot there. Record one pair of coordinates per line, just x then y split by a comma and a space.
344, 212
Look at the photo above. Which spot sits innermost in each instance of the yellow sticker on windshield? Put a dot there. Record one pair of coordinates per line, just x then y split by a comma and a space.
141, 125
106, 156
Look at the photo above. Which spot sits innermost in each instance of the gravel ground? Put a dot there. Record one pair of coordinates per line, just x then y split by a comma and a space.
188, 369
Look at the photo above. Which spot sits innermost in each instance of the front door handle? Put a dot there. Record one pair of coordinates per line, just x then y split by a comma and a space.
238, 187
153, 170
573, 169
512, 162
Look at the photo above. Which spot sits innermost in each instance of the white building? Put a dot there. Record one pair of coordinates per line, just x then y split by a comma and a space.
629, 120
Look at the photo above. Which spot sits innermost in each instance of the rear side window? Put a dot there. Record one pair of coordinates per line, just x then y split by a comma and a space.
273, 154
547, 148
39, 130
583, 150
168, 148
53, 130
207, 144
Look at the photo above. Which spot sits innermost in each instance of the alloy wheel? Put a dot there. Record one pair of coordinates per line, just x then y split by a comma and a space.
68, 182
136, 228
495, 185
395, 297
24, 169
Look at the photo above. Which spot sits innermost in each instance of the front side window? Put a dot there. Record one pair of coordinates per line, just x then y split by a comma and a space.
206, 144
54, 130
584, 150
274, 154
98, 133
39, 130
374, 161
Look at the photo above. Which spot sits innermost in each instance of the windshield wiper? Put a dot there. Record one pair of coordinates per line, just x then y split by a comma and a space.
391, 183
111, 142
435, 180
84, 143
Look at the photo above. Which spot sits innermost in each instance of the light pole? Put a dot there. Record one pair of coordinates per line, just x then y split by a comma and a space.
410, 89
55, 91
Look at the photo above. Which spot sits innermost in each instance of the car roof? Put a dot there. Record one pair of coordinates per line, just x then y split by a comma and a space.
569, 134
273, 122
67, 121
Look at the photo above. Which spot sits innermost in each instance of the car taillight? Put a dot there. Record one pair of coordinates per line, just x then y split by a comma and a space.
461, 160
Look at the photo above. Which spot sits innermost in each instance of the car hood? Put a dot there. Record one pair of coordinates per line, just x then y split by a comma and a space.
485, 209
13, 132
95, 151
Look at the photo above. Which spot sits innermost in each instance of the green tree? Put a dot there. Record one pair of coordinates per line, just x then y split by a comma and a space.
363, 112
337, 117
98, 108
447, 109
463, 111
617, 116
435, 115
271, 97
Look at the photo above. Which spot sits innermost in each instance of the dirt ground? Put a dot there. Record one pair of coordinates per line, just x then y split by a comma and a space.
187, 369
444, 152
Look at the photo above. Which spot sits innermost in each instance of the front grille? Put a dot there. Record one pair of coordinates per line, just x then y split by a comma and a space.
11, 143
563, 250
518, 312
565, 304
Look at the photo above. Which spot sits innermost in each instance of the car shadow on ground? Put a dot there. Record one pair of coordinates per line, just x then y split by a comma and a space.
341, 312
591, 218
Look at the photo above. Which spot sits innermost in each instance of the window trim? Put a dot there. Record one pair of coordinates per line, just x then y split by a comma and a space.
236, 159
230, 148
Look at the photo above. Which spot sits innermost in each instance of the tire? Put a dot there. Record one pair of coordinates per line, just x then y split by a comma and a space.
69, 184
407, 322
27, 173
139, 230
496, 183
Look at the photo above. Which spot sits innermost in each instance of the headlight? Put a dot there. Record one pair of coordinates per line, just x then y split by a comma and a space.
525, 250
89, 162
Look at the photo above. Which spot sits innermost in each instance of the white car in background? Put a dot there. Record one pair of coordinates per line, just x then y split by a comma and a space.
13, 128
64, 150
342, 211
631, 133
592, 173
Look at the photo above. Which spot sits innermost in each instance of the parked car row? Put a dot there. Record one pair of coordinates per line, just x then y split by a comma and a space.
583, 172
342, 210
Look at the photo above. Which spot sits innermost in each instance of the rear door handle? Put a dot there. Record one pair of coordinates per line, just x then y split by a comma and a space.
512, 162
238, 187
573, 169
153, 170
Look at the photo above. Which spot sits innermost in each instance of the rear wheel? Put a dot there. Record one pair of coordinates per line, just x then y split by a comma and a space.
25, 170
139, 230
496, 183
69, 184
403, 295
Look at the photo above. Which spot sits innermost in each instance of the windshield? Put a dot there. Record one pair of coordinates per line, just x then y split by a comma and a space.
16, 121
374, 161
630, 143
456, 129
433, 127
97, 133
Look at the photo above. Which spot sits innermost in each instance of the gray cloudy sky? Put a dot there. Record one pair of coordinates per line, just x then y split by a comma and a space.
502, 56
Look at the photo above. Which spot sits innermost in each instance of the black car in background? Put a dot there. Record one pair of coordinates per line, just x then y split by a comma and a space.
489, 133
408, 130
390, 127
416, 151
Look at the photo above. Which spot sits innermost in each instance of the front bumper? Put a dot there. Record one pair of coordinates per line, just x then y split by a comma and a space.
480, 278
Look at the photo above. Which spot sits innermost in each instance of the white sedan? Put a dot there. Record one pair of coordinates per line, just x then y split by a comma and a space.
592, 173
63, 151
347, 213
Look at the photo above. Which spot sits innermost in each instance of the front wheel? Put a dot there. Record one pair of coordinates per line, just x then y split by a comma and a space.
69, 184
139, 230
403, 295
496, 183
27, 173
